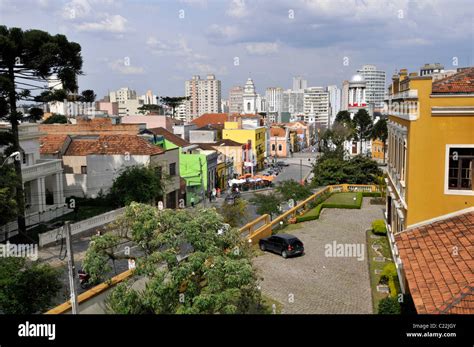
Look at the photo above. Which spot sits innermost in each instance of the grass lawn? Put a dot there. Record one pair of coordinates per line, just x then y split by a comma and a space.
269, 302
342, 199
374, 265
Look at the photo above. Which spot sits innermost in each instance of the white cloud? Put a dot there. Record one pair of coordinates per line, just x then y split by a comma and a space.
203, 68
124, 67
179, 48
223, 32
237, 9
109, 23
262, 48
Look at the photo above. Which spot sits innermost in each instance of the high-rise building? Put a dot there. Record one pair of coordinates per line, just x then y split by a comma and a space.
375, 91
274, 99
299, 83
316, 105
249, 98
293, 101
357, 93
334, 102
123, 94
204, 96
128, 103
345, 96
236, 100
149, 98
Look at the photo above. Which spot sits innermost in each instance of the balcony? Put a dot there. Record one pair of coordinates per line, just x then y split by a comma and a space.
43, 167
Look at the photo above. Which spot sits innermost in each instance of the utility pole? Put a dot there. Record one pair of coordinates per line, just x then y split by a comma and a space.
301, 171
203, 196
70, 266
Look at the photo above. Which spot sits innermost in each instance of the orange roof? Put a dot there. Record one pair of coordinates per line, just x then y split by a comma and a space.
173, 138
438, 261
90, 126
52, 144
278, 132
461, 82
110, 145
220, 118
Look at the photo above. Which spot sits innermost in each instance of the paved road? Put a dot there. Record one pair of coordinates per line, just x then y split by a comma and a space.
314, 283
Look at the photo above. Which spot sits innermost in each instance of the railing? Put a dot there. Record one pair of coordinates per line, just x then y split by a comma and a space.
266, 229
408, 94
42, 168
76, 228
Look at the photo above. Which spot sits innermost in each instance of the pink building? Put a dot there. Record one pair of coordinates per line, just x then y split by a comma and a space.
279, 142
111, 108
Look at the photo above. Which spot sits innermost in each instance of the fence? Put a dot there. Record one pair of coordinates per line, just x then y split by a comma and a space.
266, 229
76, 228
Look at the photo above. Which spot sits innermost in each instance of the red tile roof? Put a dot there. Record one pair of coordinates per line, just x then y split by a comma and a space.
461, 82
277, 132
89, 127
228, 142
178, 141
438, 264
213, 119
111, 144
52, 144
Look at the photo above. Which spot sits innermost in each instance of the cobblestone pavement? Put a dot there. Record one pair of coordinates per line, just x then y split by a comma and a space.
314, 283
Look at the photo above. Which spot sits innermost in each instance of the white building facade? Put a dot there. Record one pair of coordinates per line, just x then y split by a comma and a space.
249, 98
334, 102
236, 99
204, 96
316, 106
274, 99
375, 86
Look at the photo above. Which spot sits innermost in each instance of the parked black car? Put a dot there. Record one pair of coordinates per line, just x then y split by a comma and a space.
282, 163
284, 244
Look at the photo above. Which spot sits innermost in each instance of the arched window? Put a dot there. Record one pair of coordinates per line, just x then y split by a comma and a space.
248, 106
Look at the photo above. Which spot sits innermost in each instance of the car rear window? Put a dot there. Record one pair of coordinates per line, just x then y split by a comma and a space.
295, 242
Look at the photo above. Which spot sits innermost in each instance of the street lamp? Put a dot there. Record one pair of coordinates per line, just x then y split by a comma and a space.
14, 154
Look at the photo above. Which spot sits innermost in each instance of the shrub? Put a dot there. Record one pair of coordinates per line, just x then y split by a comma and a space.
310, 215
371, 194
389, 273
389, 305
378, 227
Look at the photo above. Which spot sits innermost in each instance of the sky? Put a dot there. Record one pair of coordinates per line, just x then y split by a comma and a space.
160, 44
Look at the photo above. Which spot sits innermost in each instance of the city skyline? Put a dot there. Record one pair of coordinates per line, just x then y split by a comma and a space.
319, 40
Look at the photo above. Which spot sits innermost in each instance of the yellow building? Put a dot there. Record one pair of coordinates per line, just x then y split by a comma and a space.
430, 147
377, 150
254, 136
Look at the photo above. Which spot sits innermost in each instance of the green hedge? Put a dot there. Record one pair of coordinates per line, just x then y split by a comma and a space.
379, 227
389, 275
371, 194
316, 211
310, 215
389, 305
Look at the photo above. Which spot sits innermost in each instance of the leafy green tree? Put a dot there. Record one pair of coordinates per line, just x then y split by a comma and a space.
137, 183
357, 170
380, 131
267, 203
332, 140
215, 275
88, 96
291, 189
344, 117
146, 109
56, 119
236, 213
173, 102
363, 126
8, 183
27, 59
26, 287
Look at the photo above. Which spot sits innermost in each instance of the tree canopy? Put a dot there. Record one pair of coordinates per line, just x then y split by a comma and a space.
214, 275
291, 189
267, 203
137, 183
26, 287
56, 119
234, 214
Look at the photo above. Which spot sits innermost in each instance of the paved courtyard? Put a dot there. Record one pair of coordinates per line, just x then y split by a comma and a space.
314, 283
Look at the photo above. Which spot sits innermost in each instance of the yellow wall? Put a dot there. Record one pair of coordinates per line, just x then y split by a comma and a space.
377, 149
256, 136
426, 144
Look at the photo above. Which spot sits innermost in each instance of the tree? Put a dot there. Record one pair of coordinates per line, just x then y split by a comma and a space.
56, 119
8, 183
344, 117
137, 183
234, 213
173, 101
267, 204
214, 275
332, 144
26, 287
380, 131
88, 96
363, 126
357, 170
27, 59
146, 109
291, 189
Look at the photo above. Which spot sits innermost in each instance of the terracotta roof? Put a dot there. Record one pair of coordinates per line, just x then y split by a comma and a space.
277, 132
438, 260
461, 82
52, 144
178, 141
205, 146
89, 127
111, 144
228, 142
220, 118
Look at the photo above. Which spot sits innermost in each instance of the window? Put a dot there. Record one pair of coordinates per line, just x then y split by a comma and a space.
461, 161
279, 148
84, 170
172, 169
273, 147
